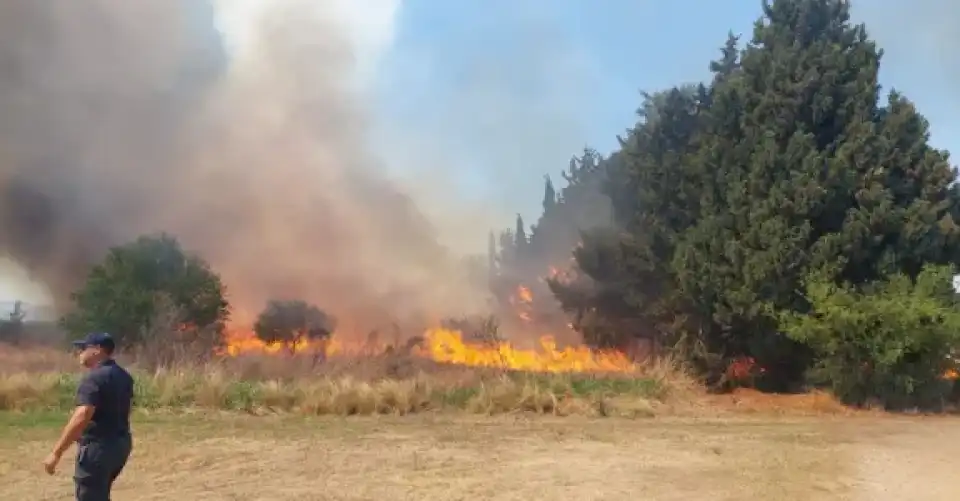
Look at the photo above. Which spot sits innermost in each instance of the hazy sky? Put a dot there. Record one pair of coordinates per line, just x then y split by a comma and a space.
497, 93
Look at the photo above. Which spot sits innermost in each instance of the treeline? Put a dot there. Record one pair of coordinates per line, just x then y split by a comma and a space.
786, 212
165, 303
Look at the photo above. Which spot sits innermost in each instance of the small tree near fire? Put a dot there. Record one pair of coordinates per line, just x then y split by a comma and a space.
291, 323
126, 292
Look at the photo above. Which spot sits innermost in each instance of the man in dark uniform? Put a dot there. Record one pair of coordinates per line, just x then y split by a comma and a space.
100, 424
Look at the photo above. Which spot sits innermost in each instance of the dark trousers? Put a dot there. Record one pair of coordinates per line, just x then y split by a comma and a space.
99, 463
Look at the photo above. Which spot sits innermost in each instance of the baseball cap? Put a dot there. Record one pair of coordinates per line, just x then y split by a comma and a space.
101, 339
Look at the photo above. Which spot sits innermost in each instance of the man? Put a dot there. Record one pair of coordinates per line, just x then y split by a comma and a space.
100, 424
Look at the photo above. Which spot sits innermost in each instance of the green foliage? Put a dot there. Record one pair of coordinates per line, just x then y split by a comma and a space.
624, 288
888, 342
293, 322
800, 170
726, 195
134, 285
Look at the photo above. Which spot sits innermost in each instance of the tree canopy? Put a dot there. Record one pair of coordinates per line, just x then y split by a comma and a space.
127, 292
293, 322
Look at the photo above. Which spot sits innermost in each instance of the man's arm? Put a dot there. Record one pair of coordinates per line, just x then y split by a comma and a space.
71, 432
88, 397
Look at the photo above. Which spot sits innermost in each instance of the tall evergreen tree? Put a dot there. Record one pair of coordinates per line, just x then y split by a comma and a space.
804, 172
549, 196
728, 196
625, 287
520, 233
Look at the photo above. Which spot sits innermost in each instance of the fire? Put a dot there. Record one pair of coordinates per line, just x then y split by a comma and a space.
523, 292
448, 346
522, 299
241, 342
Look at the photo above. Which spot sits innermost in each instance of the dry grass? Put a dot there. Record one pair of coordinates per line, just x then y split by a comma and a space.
387, 384
752, 447
431, 457
35, 359
347, 396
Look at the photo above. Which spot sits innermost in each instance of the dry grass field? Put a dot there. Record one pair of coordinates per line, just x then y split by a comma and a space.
214, 457
398, 429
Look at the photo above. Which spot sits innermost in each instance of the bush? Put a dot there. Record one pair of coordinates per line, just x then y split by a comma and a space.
293, 323
888, 343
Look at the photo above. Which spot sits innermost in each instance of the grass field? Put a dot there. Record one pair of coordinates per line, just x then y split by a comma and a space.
441, 457
398, 385
398, 429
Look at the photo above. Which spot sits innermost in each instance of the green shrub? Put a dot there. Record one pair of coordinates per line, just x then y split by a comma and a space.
888, 343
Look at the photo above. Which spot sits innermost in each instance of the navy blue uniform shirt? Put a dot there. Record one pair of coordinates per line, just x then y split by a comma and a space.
109, 389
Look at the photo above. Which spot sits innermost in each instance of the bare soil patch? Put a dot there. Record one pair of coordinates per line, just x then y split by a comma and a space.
439, 457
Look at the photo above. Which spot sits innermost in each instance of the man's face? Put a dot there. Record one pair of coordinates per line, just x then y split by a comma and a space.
89, 356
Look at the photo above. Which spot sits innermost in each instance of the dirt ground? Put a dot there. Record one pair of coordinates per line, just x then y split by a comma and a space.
428, 458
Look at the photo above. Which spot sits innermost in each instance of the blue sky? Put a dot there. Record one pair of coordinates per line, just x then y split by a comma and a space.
511, 89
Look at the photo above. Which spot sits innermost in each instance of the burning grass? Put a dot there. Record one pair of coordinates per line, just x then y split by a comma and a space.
395, 384
449, 346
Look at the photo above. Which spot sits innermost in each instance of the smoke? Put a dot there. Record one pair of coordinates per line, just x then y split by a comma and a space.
120, 118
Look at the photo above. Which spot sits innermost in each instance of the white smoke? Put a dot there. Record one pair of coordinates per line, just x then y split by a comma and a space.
261, 162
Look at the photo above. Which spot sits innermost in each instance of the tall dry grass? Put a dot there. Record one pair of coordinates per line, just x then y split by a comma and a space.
33, 359
45, 379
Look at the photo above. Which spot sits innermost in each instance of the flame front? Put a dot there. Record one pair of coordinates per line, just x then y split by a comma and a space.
448, 346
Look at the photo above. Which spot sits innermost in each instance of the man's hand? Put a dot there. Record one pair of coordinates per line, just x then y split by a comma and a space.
71, 432
50, 463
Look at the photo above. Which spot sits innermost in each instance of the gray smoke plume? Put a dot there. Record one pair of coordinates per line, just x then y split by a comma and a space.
119, 118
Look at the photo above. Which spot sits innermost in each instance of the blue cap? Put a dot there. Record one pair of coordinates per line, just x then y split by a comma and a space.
101, 339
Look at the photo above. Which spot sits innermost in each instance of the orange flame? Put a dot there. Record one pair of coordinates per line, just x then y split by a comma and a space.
522, 299
447, 346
